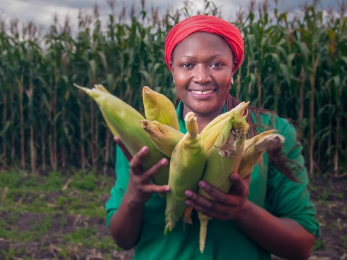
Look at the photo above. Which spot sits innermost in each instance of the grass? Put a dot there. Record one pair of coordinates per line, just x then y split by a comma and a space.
52, 212
82, 197
318, 244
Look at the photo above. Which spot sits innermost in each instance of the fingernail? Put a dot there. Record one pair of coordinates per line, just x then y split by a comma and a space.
202, 184
164, 162
189, 193
167, 189
144, 149
234, 176
187, 202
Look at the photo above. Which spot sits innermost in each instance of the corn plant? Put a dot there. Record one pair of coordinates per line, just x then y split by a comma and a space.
295, 67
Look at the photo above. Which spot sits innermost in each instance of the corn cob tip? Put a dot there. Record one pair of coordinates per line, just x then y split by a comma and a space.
281, 137
146, 89
190, 118
87, 90
144, 124
243, 107
191, 124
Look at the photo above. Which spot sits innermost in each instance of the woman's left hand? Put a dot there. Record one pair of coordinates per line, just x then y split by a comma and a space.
225, 206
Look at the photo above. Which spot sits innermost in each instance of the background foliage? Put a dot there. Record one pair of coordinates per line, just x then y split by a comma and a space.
295, 66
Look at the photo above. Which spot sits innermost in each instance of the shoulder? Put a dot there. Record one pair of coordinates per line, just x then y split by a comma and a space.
281, 124
283, 127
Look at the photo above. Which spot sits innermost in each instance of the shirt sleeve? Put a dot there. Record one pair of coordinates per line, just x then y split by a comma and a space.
117, 192
284, 197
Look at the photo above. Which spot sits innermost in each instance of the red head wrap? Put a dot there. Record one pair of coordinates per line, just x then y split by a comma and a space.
210, 24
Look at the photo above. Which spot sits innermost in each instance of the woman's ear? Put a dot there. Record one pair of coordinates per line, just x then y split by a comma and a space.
171, 66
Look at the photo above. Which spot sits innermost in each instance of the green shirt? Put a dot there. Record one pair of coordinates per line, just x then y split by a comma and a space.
268, 189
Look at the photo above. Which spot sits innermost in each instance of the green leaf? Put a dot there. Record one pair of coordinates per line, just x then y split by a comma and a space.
286, 73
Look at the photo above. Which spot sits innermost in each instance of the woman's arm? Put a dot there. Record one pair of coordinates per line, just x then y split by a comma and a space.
280, 236
125, 224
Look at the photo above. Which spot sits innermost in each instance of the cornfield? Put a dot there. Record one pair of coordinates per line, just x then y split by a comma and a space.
295, 67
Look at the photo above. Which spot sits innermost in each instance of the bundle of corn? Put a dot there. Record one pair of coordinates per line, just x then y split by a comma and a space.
186, 168
124, 121
221, 147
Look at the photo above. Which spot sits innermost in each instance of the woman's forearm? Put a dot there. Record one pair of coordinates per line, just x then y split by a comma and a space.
280, 236
125, 224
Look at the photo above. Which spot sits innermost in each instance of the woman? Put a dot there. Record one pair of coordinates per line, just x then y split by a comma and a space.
262, 215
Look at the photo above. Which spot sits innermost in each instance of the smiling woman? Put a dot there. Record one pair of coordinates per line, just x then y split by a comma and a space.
268, 212
202, 68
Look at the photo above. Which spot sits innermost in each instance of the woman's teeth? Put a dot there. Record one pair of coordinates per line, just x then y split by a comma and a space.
202, 92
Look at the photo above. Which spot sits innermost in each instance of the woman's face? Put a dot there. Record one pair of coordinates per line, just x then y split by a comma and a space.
202, 69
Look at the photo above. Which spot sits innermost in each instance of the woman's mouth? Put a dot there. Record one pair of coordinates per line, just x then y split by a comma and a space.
202, 94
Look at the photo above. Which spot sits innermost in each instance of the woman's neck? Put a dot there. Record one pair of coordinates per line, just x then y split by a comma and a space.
204, 119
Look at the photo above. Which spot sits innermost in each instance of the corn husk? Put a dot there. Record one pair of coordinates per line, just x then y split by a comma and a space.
186, 168
125, 120
159, 108
224, 158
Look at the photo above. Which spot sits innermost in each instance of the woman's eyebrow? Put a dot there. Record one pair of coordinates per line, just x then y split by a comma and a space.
210, 58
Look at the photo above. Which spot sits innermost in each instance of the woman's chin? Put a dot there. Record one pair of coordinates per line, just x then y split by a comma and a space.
202, 108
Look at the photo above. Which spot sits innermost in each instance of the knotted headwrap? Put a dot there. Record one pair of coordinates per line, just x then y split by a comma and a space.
210, 24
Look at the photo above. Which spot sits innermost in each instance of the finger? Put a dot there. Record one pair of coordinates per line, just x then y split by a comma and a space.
156, 168
208, 212
152, 188
238, 187
138, 158
215, 193
123, 148
198, 199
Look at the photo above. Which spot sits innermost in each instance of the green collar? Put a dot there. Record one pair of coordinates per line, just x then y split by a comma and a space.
181, 122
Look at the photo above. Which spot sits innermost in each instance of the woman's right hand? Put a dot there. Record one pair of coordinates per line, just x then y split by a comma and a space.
140, 188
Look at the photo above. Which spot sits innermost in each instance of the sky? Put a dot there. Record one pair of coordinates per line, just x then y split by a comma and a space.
41, 12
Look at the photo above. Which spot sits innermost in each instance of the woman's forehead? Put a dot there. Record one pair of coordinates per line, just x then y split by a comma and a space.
202, 44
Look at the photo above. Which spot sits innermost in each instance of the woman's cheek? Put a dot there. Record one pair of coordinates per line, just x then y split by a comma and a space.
182, 79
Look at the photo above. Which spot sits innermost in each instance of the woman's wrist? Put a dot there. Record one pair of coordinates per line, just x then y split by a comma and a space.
132, 201
243, 214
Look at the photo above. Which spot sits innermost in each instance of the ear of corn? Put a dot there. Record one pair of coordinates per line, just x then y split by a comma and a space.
211, 132
159, 108
254, 149
164, 137
224, 158
186, 168
125, 120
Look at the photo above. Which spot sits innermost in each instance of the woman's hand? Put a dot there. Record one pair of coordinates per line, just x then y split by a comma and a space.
140, 188
225, 205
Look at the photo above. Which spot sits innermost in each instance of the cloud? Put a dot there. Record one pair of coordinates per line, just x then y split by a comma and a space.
42, 11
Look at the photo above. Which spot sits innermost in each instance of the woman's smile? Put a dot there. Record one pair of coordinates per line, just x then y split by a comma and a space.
202, 93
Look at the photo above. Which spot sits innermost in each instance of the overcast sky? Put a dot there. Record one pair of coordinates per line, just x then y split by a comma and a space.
42, 11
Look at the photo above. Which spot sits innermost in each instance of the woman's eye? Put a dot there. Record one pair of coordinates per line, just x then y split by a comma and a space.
187, 65
216, 64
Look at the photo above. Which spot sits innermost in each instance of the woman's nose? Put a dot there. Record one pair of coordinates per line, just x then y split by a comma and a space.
201, 75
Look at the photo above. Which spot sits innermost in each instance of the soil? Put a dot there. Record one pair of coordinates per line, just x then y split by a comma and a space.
329, 197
